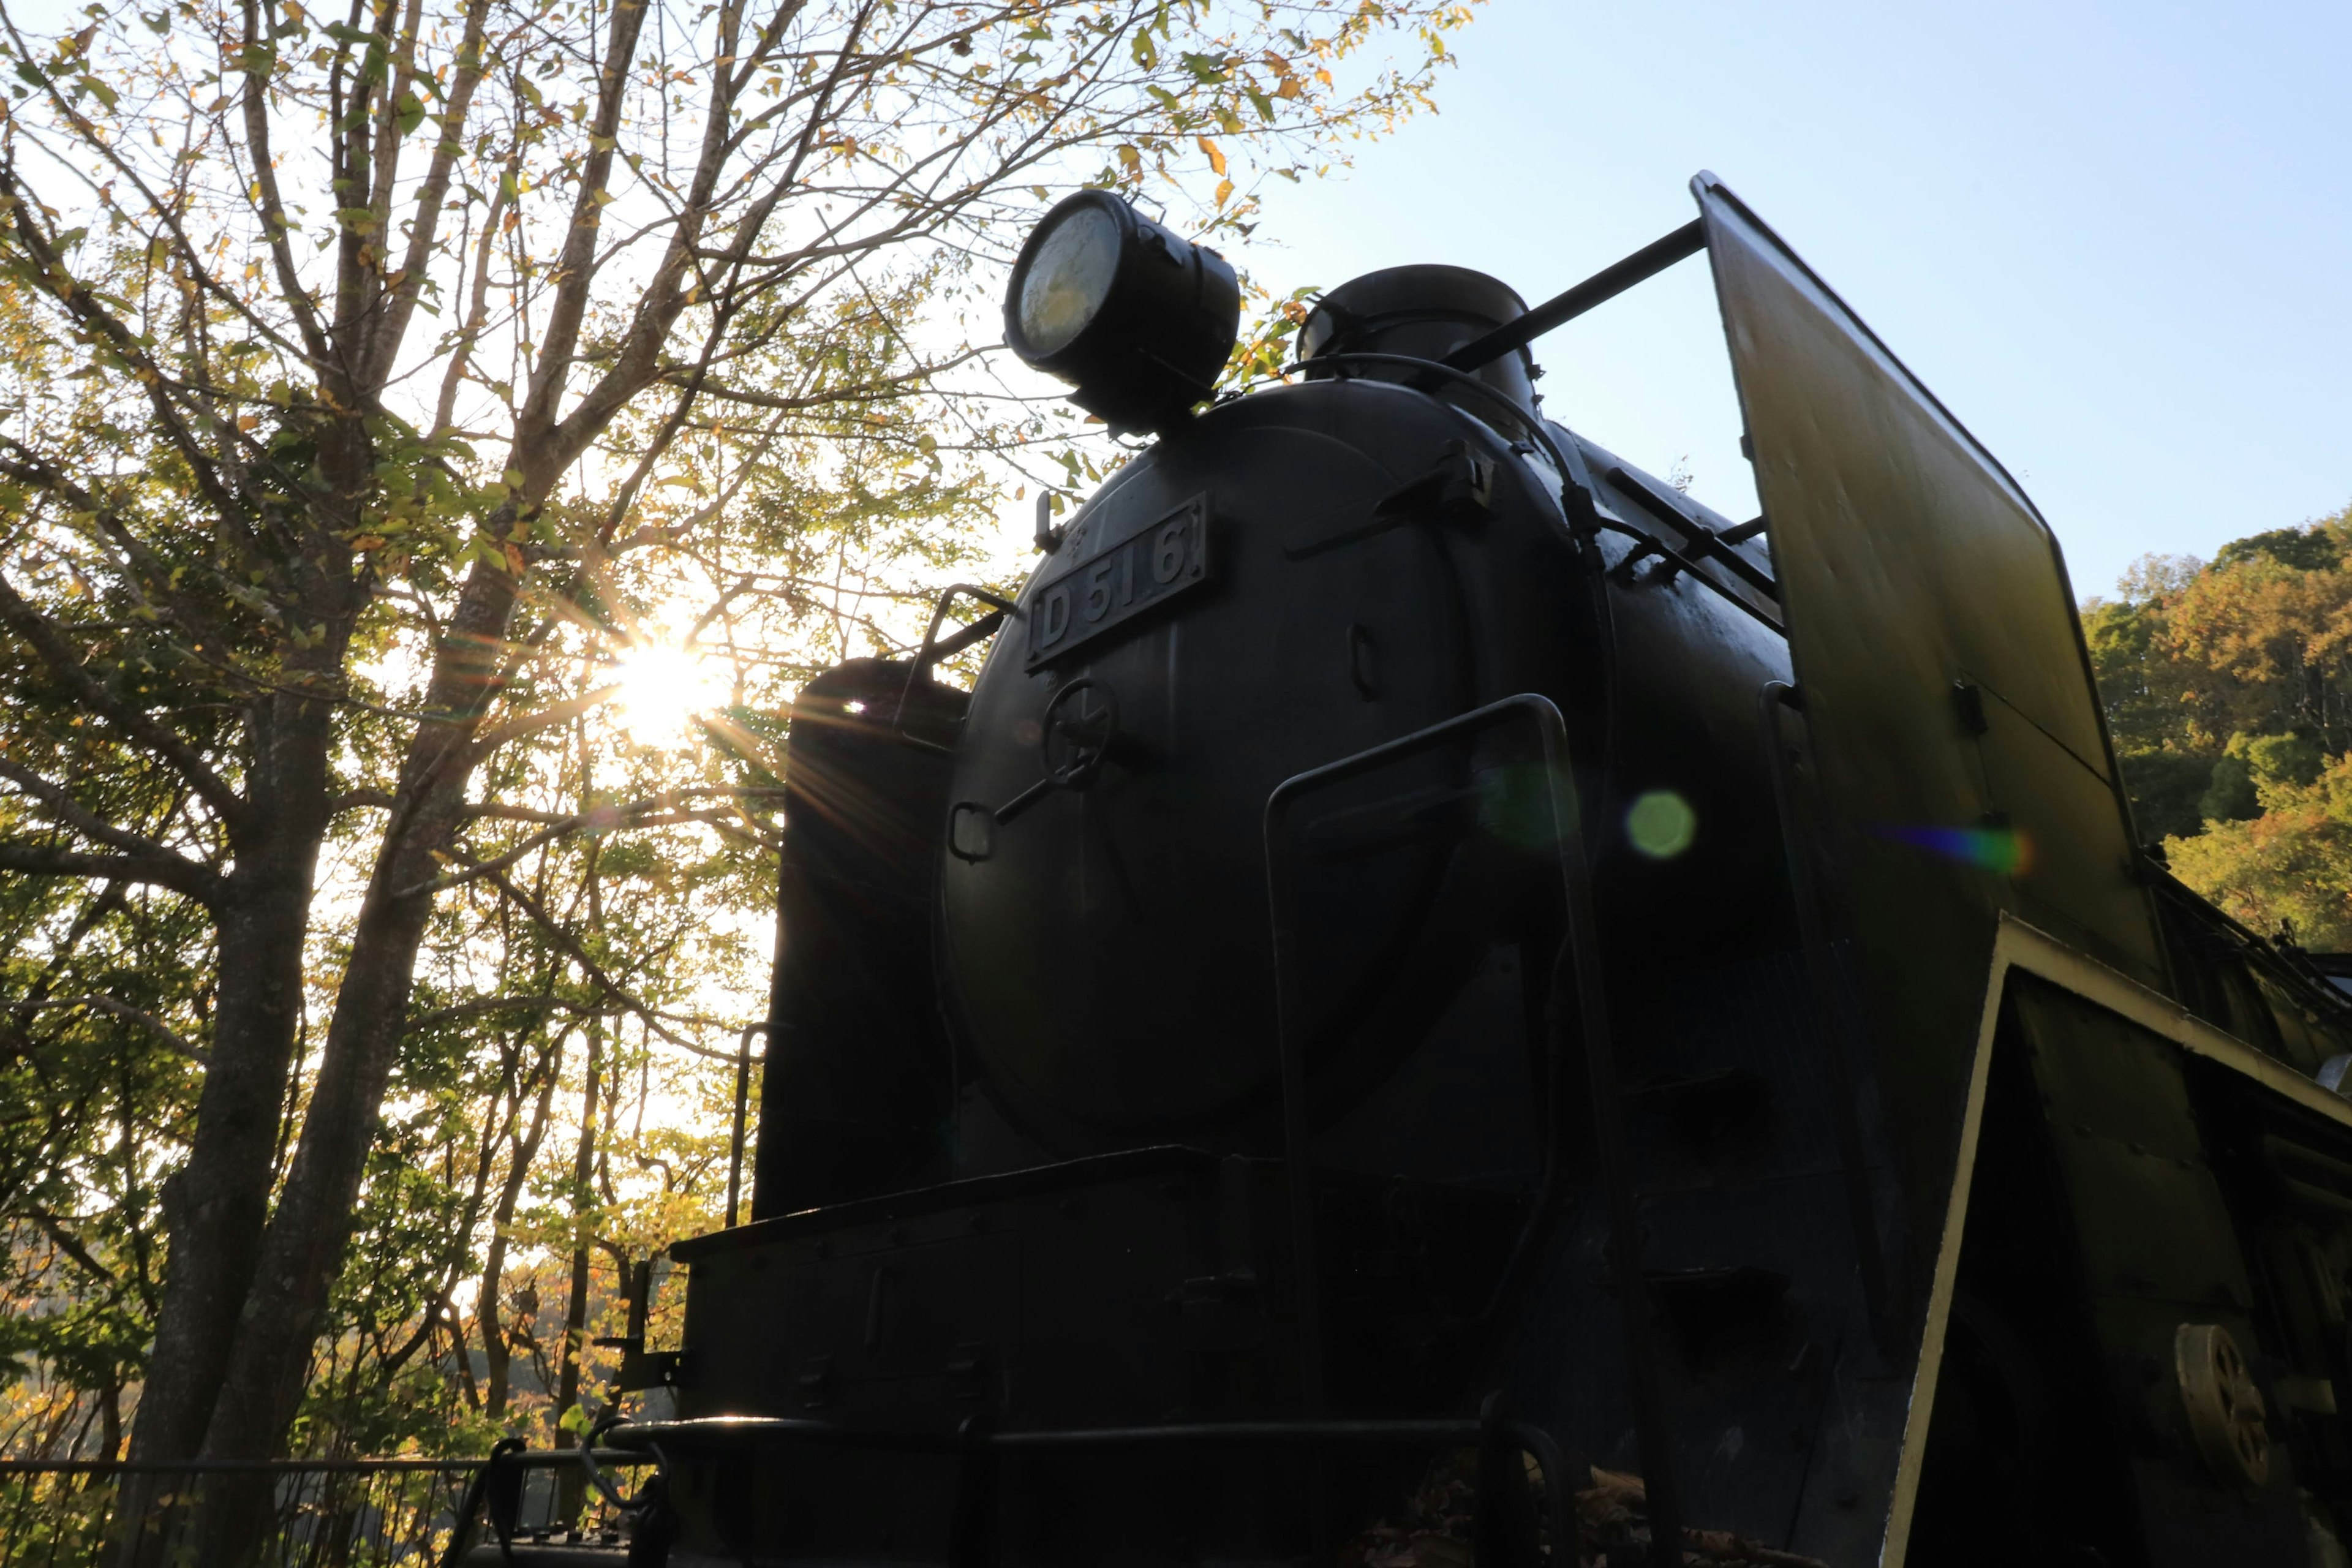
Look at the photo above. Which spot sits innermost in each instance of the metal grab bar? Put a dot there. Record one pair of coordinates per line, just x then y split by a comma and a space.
1828, 1008
1574, 477
933, 649
1583, 951
742, 1113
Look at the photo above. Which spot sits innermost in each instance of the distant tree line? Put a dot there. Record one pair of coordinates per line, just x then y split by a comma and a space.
2228, 687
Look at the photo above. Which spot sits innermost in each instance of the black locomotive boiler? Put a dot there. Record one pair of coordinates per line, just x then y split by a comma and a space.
1424, 939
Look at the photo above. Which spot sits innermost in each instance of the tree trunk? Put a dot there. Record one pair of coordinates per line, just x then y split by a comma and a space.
575, 1310
217, 1206
278, 1318
305, 1240
109, 1411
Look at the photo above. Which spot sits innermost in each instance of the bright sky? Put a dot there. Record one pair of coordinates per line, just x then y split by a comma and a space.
2116, 239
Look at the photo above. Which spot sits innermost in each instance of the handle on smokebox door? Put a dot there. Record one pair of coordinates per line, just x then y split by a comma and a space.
933, 650
1089, 736
1581, 946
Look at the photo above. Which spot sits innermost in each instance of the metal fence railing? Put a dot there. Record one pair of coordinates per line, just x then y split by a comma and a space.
289, 1513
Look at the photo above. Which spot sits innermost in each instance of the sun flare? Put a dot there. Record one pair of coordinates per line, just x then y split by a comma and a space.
662, 687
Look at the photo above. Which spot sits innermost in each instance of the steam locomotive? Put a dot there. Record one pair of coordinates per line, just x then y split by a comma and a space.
1423, 940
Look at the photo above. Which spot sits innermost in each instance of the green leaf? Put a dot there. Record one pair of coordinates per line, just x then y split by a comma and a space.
1207, 69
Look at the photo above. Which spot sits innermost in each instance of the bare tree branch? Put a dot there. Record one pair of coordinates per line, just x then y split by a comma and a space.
561, 934
41, 635
139, 1016
456, 1011
62, 805
41, 860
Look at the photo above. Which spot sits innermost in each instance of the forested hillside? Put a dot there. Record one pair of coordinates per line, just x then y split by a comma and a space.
2229, 687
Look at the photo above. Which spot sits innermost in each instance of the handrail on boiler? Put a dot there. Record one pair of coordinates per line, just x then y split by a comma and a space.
1582, 950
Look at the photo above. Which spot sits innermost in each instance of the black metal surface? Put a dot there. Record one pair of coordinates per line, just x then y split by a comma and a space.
1418, 313
1135, 907
1702, 541
1289, 1045
1831, 1002
1505, 1511
863, 813
1597, 1042
1566, 458
1908, 559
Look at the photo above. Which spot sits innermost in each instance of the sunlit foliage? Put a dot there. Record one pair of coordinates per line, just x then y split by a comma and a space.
2228, 690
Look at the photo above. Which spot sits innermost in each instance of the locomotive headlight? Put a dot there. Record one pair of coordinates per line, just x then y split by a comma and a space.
1138, 320
1064, 284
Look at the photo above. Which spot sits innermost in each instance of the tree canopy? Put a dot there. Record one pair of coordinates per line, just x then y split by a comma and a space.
2228, 689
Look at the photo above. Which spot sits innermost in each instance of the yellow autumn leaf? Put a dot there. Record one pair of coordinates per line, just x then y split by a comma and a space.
1215, 154
1224, 189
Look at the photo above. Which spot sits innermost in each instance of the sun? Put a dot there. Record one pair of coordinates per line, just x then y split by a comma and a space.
662, 687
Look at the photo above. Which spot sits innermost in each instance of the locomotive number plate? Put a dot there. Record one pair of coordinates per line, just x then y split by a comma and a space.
1126, 573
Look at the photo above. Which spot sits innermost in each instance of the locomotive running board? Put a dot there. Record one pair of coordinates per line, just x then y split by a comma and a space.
2020, 948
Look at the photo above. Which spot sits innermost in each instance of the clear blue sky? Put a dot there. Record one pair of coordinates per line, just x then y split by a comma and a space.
2116, 240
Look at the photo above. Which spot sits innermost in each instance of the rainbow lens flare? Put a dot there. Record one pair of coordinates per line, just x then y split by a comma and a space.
2002, 850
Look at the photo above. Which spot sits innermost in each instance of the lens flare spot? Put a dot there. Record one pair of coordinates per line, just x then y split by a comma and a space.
1661, 823
662, 687
1520, 804
2003, 851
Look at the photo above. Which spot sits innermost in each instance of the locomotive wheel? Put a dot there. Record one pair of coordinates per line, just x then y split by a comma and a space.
2226, 1415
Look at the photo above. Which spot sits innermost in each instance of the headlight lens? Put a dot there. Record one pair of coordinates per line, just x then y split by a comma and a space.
1068, 278
1137, 319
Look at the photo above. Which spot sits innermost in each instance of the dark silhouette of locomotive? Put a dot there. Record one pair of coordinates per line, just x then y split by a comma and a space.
1424, 938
